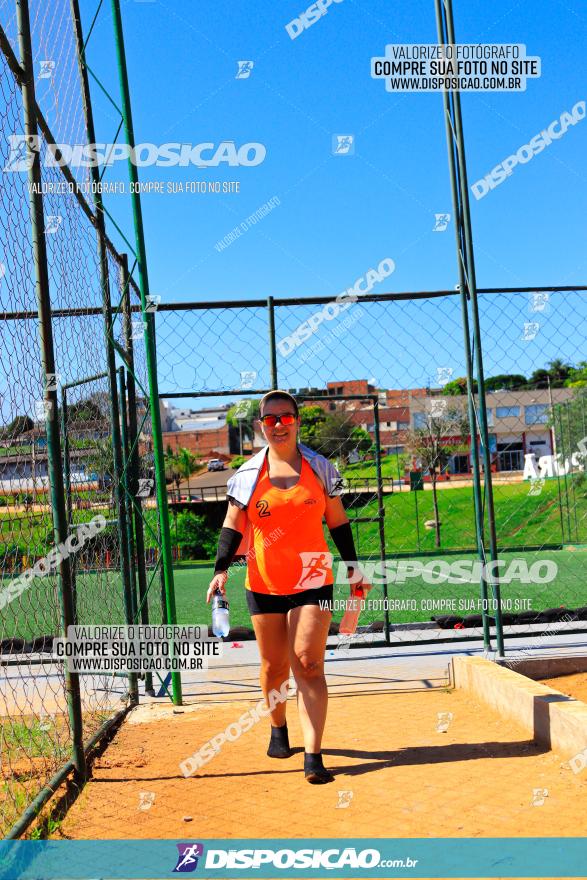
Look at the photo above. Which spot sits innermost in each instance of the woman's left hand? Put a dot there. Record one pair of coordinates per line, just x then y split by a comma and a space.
359, 581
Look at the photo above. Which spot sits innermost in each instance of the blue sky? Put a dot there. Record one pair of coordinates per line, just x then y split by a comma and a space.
340, 215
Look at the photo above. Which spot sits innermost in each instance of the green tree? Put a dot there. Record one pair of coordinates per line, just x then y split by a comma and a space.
100, 461
312, 419
506, 382
428, 443
337, 437
186, 463
458, 387
578, 376
195, 538
17, 426
94, 408
242, 416
559, 372
556, 375
172, 469
569, 423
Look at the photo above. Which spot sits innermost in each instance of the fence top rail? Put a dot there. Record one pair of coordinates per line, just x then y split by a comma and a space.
372, 297
284, 301
84, 381
250, 392
63, 313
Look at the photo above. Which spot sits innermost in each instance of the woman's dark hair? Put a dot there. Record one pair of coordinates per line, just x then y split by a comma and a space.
279, 395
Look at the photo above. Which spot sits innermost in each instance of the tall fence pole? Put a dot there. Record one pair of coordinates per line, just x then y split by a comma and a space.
133, 439
381, 513
66, 456
484, 430
468, 286
272, 348
125, 549
132, 605
148, 319
477, 494
42, 290
67, 488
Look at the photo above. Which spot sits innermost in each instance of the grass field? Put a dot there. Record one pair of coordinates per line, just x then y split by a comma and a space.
390, 467
523, 521
31, 531
100, 596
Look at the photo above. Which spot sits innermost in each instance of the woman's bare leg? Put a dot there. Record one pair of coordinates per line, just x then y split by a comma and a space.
271, 633
307, 633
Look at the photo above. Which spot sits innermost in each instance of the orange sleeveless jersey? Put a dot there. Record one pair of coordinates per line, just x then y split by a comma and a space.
288, 550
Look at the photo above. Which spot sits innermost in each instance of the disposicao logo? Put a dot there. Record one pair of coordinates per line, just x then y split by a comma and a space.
187, 860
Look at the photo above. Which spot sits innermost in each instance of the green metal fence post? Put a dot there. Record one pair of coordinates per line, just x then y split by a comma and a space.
555, 451
166, 556
126, 546
572, 479
478, 503
478, 348
125, 549
67, 487
381, 514
272, 348
137, 505
42, 290
563, 454
468, 288
66, 456
125, 481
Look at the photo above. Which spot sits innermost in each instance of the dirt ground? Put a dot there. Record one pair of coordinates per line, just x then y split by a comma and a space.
571, 685
397, 773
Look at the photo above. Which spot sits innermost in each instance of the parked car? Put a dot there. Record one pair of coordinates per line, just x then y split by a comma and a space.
216, 464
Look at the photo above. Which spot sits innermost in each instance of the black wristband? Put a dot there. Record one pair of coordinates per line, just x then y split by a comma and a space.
343, 539
228, 544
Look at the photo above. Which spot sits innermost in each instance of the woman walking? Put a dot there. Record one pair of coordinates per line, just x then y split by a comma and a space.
282, 494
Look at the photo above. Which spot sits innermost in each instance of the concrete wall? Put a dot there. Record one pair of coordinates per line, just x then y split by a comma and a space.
551, 718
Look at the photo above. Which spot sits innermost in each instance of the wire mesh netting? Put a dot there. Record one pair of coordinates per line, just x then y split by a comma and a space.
219, 352
80, 397
382, 393
408, 353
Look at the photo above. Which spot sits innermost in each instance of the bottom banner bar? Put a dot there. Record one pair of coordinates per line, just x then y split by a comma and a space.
373, 857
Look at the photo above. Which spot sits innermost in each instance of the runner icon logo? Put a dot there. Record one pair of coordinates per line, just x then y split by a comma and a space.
187, 860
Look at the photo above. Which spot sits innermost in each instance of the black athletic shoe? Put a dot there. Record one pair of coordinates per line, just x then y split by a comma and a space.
279, 743
315, 771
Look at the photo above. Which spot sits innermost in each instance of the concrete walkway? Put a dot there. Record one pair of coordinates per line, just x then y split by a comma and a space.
27, 687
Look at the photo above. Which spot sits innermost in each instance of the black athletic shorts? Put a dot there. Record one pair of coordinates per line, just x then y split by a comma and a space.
266, 603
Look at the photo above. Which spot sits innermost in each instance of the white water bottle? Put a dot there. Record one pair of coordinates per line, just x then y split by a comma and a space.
220, 621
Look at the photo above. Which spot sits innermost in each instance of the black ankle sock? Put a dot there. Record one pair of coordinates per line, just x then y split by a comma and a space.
314, 769
313, 761
279, 743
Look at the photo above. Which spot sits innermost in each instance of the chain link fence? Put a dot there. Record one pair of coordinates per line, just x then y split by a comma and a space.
379, 378
76, 439
406, 352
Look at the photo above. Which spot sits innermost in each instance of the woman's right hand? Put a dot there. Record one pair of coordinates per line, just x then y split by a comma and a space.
217, 583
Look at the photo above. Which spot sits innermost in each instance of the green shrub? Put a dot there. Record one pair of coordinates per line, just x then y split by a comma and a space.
237, 461
195, 538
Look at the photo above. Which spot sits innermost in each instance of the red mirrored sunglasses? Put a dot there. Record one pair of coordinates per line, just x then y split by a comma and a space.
284, 419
